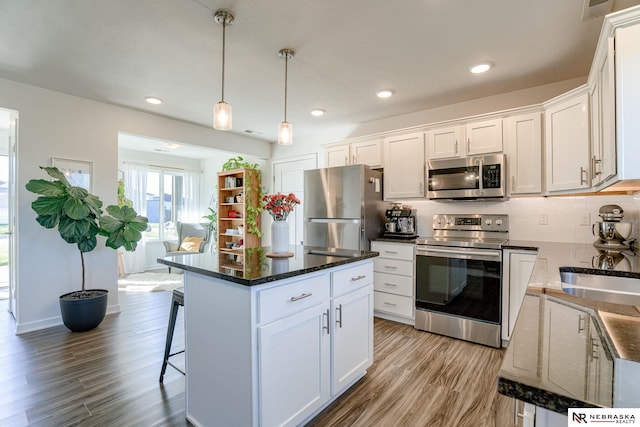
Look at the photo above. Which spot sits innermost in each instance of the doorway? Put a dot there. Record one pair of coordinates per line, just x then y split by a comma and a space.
288, 177
8, 140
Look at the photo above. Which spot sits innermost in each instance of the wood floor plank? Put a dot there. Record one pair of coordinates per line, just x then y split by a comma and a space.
109, 376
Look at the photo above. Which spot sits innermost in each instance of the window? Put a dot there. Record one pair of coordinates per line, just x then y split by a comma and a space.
166, 202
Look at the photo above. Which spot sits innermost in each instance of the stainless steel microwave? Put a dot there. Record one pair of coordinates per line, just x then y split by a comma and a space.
471, 178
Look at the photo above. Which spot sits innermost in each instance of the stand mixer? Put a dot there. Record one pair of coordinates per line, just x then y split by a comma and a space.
612, 231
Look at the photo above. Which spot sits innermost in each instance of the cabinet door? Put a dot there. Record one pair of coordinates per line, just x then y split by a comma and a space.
337, 155
484, 137
567, 144
367, 153
404, 163
445, 143
523, 144
566, 348
294, 366
518, 267
603, 118
352, 347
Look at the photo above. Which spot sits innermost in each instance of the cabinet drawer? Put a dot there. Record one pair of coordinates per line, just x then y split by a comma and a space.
393, 266
394, 304
351, 278
285, 300
394, 250
393, 284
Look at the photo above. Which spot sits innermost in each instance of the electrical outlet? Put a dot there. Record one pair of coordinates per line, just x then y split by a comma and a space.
585, 219
543, 219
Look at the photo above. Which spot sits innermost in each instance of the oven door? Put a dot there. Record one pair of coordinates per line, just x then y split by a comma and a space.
464, 282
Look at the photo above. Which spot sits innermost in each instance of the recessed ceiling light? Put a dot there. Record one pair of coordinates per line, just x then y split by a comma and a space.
171, 145
318, 112
480, 67
384, 93
153, 100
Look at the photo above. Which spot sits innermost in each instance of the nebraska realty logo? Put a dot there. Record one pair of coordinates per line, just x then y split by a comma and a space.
603, 416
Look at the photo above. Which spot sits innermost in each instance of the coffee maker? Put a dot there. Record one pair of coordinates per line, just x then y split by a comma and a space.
400, 223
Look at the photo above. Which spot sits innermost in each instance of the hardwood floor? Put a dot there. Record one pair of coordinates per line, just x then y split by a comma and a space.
109, 376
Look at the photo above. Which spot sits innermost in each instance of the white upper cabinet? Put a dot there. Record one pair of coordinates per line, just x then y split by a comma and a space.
484, 137
603, 115
567, 142
337, 155
404, 162
365, 152
523, 146
444, 143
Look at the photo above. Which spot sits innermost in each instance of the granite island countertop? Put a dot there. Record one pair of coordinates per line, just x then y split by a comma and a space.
259, 268
567, 351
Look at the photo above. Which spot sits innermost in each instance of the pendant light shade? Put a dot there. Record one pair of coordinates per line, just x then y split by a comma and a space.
285, 129
222, 118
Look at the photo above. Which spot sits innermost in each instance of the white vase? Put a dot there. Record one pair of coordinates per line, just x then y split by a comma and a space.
279, 237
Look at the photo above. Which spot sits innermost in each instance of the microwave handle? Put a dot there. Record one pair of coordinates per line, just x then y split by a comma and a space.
480, 178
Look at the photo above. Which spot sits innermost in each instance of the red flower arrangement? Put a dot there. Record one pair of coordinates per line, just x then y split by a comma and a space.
280, 205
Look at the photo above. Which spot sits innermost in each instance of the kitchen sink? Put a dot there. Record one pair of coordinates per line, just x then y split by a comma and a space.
615, 289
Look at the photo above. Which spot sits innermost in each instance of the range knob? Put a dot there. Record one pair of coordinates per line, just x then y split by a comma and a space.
498, 221
488, 221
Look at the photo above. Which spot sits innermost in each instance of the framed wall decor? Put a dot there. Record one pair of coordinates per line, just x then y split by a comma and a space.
79, 173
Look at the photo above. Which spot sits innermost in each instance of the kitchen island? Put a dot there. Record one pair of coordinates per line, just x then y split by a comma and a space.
570, 352
273, 341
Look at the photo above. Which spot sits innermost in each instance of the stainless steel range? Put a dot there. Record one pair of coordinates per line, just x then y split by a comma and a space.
459, 277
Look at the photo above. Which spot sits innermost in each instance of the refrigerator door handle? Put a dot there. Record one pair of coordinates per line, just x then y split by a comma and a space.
334, 220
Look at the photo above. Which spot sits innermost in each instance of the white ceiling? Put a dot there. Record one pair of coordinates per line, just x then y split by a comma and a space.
120, 51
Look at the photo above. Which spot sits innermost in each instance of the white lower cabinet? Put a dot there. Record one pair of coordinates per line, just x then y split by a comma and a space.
352, 337
394, 281
517, 266
294, 355
276, 354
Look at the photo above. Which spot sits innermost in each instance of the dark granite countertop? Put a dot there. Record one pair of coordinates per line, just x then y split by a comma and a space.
551, 360
395, 240
258, 268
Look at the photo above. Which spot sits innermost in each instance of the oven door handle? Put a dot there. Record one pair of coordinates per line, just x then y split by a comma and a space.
487, 255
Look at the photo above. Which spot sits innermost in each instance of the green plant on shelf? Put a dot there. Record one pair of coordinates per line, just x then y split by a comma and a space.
238, 163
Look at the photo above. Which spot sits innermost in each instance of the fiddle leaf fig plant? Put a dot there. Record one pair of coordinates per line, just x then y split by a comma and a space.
79, 217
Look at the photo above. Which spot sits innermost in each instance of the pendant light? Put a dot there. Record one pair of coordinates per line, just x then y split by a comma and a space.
222, 119
285, 129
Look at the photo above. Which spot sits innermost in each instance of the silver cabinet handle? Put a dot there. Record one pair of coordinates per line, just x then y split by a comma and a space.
390, 303
581, 323
594, 348
353, 161
301, 296
513, 182
326, 327
392, 267
583, 172
455, 148
468, 145
393, 285
346, 160
594, 166
339, 315
390, 252
355, 279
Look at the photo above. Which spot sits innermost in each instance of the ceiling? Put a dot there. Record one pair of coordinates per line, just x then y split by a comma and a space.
120, 51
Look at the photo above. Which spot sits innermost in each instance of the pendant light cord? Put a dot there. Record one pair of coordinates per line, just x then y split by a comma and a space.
224, 32
286, 71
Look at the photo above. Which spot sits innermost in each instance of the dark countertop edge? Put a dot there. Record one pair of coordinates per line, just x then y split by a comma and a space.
539, 397
520, 245
392, 240
600, 272
272, 278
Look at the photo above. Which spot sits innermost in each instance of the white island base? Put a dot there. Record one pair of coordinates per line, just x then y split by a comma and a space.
277, 353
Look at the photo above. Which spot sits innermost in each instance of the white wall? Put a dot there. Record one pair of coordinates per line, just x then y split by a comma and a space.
53, 124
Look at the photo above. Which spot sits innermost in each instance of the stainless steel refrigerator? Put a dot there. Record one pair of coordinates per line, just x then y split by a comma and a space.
343, 207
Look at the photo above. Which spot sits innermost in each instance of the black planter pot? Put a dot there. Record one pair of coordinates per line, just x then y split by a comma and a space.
83, 310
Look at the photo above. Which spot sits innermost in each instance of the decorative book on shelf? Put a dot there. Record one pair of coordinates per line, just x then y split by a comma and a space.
238, 216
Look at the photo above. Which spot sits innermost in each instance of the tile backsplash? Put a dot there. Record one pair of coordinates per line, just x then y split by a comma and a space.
568, 219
